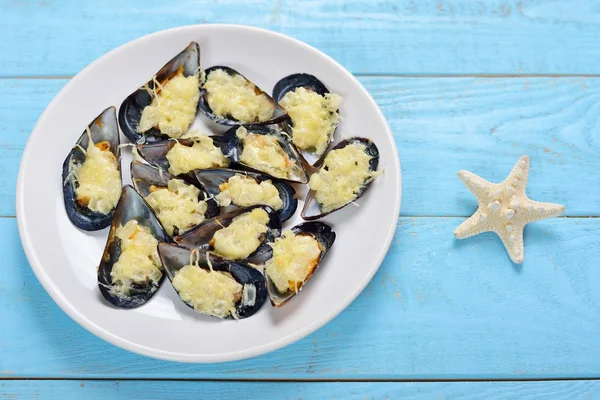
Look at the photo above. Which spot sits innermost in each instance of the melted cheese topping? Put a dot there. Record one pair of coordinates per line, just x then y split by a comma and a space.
98, 178
173, 108
242, 236
314, 118
341, 177
244, 191
201, 155
177, 205
264, 153
209, 292
237, 97
139, 262
294, 259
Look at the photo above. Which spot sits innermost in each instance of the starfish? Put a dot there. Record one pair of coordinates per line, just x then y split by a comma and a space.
504, 208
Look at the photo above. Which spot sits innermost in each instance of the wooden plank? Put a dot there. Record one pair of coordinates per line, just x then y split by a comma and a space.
92, 390
440, 126
437, 309
384, 37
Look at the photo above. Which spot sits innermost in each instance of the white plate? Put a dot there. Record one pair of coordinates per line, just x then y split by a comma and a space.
65, 258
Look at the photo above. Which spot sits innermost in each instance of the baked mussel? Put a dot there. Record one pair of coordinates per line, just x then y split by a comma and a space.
179, 204
313, 114
344, 174
130, 271
91, 174
296, 256
166, 105
181, 157
245, 188
239, 235
264, 149
229, 98
213, 285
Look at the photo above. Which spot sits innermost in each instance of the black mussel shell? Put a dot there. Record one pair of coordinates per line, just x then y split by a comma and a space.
233, 146
294, 81
324, 235
312, 209
279, 113
103, 128
174, 258
210, 179
156, 153
131, 206
200, 236
291, 83
144, 176
131, 109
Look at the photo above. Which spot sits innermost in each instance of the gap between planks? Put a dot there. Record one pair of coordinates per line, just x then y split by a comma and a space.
333, 380
383, 75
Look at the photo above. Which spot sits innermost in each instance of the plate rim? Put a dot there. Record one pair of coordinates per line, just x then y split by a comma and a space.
99, 331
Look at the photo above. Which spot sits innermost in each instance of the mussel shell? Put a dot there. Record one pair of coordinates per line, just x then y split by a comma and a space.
311, 209
210, 179
144, 176
175, 257
232, 148
278, 115
131, 206
156, 153
132, 107
103, 128
325, 236
200, 236
309, 82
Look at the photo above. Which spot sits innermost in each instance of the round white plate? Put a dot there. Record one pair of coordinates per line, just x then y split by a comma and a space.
65, 258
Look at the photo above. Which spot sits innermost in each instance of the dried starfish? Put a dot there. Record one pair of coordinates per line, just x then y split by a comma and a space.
504, 208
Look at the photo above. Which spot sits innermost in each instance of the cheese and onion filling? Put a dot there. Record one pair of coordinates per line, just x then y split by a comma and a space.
235, 96
264, 153
177, 205
243, 236
294, 259
138, 263
173, 107
341, 177
201, 155
244, 191
314, 118
210, 292
98, 179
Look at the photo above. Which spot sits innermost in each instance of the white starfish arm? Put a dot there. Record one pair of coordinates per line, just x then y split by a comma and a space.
476, 224
476, 184
513, 241
537, 210
517, 179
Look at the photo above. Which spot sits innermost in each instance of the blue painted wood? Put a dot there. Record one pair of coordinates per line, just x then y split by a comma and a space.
59, 37
101, 390
440, 127
437, 309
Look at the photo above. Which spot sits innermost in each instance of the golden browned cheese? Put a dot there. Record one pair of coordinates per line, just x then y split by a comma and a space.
341, 177
236, 97
173, 108
294, 259
314, 118
98, 178
139, 261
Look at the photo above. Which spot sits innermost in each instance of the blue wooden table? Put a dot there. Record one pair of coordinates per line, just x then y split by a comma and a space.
464, 85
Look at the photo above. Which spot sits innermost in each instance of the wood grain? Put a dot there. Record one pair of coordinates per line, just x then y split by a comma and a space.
92, 390
60, 37
440, 126
437, 309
